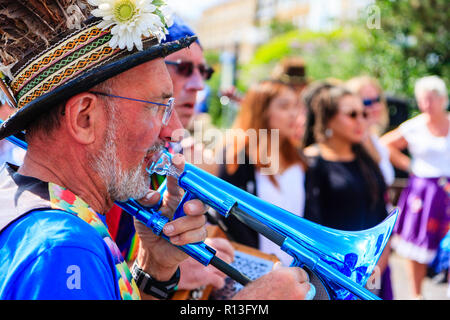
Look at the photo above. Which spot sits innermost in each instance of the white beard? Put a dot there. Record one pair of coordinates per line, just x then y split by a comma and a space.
121, 184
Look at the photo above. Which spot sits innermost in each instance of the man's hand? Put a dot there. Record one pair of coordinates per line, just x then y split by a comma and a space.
156, 256
282, 283
195, 275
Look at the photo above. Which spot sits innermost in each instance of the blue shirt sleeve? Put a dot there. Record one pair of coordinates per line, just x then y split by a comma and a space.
55, 256
65, 273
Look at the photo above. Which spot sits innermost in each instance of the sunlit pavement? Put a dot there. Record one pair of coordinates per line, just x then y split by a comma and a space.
430, 291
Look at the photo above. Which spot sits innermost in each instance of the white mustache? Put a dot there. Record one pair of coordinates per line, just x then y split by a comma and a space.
155, 149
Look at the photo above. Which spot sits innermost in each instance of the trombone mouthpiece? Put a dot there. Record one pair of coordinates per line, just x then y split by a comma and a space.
161, 164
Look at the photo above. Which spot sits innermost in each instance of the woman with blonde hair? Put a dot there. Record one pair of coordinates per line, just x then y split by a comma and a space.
371, 93
270, 110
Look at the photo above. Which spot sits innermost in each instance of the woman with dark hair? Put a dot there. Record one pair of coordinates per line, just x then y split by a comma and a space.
307, 96
345, 189
272, 169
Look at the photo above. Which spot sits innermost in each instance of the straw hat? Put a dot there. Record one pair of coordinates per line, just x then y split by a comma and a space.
53, 49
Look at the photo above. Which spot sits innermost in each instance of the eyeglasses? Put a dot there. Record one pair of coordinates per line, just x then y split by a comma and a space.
186, 68
370, 102
168, 106
354, 114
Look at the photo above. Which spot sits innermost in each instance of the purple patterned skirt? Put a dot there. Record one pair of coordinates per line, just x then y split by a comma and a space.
424, 218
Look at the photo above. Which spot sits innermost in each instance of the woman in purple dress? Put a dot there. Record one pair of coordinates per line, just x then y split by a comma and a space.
425, 202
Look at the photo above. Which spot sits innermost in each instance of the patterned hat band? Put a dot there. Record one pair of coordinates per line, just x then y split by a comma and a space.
76, 53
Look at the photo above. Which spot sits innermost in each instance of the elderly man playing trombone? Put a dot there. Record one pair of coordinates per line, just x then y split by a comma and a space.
95, 99
188, 71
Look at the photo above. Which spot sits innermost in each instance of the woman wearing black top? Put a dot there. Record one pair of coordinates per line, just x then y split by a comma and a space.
344, 186
338, 195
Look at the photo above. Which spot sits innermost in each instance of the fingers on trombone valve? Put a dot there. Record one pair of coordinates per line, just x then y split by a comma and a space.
305, 279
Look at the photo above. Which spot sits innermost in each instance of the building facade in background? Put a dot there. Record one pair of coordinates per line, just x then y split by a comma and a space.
239, 26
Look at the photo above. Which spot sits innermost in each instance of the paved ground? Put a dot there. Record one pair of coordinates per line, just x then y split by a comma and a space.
431, 291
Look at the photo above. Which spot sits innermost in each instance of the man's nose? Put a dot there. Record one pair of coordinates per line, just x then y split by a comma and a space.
195, 81
169, 132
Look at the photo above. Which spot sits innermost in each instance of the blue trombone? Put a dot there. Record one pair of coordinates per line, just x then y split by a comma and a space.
341, 261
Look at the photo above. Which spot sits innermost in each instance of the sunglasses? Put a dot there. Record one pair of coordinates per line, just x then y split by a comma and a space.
354, 114
186, 68
370, 102
167, 110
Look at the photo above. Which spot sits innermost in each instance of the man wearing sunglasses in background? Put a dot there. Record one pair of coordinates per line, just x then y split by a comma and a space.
189, 71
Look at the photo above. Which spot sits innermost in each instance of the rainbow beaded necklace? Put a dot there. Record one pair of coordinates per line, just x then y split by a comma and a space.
65, 200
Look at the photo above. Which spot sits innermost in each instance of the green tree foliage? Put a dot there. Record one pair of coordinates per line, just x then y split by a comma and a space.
327, 54
411, 40
396, 41
418, 32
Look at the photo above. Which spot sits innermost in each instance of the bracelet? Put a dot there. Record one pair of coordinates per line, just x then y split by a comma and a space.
151, 286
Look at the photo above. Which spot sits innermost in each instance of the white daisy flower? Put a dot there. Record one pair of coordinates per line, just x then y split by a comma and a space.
168, 15
131, 20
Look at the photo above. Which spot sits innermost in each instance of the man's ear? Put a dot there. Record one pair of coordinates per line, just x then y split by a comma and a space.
83, 114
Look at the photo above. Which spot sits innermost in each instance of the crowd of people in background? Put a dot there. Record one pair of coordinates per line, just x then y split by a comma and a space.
346, 161
336, 161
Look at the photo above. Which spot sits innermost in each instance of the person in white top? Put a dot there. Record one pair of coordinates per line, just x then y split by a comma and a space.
289, 195
274, 168
425, 202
